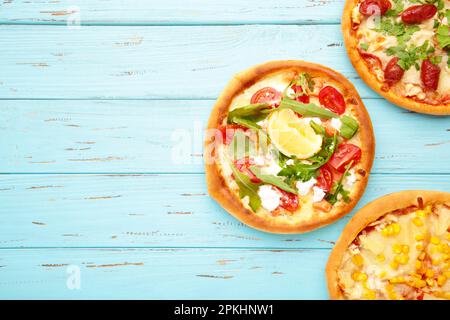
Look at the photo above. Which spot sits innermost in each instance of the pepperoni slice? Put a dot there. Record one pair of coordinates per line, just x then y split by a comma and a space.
418, 13
393, 72
332, 99
429, 74
371, 7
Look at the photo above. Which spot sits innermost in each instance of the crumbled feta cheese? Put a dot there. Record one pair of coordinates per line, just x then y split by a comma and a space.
412, 90
273, 168
350, 179
290, 162
270, 198
305, 187
259, 161
336, 123
318, 195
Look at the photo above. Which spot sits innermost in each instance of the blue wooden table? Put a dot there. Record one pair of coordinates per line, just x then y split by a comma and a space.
91, 203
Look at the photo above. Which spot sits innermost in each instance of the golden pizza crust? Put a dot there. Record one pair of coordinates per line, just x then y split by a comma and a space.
351, 44
366, 215
230, 201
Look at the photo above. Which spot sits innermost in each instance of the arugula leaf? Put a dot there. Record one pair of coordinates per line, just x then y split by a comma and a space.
339, 188
271, 179
304, 172
304, 80
248, 110
241, 146
246, 123
318, 129
246, 188
349, 127
443, 37
396, 9
306, 109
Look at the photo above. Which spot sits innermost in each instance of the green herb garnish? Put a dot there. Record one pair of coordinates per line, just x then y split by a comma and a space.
338, 188
273, 180
349, 127
306, 109
246, 188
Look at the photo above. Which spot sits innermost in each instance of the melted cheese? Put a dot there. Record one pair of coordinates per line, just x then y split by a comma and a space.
411, 259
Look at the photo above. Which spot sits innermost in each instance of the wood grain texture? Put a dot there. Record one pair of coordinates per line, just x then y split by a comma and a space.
190, 62
142, 136
163, 274
170, 210
143, 12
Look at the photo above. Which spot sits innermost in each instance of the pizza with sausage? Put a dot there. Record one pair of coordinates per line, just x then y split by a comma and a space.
395, 248
400, 49
289, 147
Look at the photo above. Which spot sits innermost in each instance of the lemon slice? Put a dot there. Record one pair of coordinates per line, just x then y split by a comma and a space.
292, 135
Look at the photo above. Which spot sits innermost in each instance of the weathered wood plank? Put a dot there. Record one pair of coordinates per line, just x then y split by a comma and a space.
162, 274
144, 12
193, 62
139, 136
171, 210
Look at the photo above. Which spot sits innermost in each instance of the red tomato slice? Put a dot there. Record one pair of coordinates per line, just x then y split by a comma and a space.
328, 128
303, 98
288, 201
266, 95
228, 131
332, 99
325, 179
345, 153
243, 166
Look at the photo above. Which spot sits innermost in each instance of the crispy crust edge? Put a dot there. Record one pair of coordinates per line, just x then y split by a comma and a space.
369, 78
369, 213
216, 185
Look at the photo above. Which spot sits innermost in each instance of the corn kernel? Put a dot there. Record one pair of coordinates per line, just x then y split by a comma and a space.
381, 258
441, 280
405, 249
419, 237
430, 282
420, 283
359, 276
419, 247
435, 240
447, 236
418, 264
420, 213
444, 248
358, 260
396, 228
421, 256
369, 294
417, 221
394, 265
403, 259
435, 262
397, 280
382, 274
397, 248
429, 273
447, 274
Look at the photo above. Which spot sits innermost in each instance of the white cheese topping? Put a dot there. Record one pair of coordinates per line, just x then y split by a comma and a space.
336, 123
290, 162
319, 194
305, 187
350, 180
270, 198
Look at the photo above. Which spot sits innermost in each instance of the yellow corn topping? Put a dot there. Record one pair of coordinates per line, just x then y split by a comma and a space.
381, 258
417, 221
358, 260
419, 237
435, 240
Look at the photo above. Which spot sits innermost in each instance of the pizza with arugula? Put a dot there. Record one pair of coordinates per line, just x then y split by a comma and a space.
395, 248
400, 49
289, 147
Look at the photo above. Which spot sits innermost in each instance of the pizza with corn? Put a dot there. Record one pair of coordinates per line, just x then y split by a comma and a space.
400, 49
289, 147
395, 248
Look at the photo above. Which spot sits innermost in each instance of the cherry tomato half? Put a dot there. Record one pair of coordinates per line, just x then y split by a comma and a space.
332, 99
325, 179
243, 165
228, 131
345, 153
288, 201
266, 95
